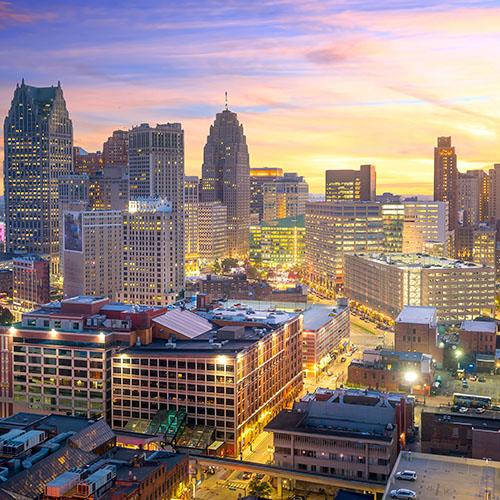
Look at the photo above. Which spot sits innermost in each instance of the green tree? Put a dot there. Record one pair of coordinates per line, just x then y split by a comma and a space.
259, 488
228, 264
6, 317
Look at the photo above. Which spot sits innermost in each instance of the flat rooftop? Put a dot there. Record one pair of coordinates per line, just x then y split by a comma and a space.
421, 315
441, 477
318, 315
479, 326
417, 261
488, 420
242, 314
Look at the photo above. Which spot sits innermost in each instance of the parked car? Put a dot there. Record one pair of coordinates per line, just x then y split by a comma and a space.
343, 359
473, 378
481, 379
407, 475
465, 384
403, 494
480, 410
463, 409
246, 475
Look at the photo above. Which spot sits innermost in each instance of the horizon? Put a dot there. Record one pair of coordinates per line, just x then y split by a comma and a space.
316, 87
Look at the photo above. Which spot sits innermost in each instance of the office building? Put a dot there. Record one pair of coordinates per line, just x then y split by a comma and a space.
85, 162
30, 283
473, 188
191, 225
212, 231
58, 358
393, 217
439, 476
38, 142
415, 330
108, 189
259, 177
284, 196
153, 253
412, 372
446, 178
350, 434
334, 229
326, 334
425, 223
351, 185
387, 282
279, 243
227, 383
92, 253
478, 337
476, 244
226, 178
494, 192
156, 163
115, 150
470, 434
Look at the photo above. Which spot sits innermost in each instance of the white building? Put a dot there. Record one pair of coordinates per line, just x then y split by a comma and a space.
212, 226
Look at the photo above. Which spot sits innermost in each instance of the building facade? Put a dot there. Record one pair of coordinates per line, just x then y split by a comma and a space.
259, 177
212, 231
85, 162
386, 283
191, 225
334, 229
38, 142
226, 178
153, 253
351, 185
446, 178
115, 150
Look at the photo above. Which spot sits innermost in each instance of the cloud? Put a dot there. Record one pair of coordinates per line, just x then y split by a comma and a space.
10, 15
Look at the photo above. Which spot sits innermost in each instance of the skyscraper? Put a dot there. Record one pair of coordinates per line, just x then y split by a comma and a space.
446, 178
38, 150
153, 253
191, 230
85, 162
226, 177
115, 150
156, 163
351, 185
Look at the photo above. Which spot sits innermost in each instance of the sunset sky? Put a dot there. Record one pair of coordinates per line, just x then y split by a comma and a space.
316, 84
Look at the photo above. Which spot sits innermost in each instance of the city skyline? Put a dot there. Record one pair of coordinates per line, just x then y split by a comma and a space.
317, 87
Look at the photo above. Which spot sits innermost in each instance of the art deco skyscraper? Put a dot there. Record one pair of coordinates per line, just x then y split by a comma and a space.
446, 178
226, 178
38, 151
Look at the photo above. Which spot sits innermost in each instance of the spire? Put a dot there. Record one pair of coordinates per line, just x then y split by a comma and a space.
225, 105
22, 82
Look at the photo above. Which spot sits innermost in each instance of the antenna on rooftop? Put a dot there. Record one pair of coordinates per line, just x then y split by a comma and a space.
225, 100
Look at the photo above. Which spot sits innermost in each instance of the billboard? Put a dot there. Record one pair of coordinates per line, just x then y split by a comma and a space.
73, 237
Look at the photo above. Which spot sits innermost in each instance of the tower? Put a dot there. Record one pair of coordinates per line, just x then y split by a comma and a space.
446, 178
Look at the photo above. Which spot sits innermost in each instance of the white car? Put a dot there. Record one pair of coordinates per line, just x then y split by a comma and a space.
463, 409
403, 494
407, 475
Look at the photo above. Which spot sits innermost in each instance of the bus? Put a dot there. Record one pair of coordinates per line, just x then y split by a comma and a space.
471, 400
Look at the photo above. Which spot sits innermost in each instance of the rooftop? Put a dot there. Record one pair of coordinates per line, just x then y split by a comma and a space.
479, 326
318, 315
184, 322
417, 261
248, 315
488, 420
440, 477
421, 315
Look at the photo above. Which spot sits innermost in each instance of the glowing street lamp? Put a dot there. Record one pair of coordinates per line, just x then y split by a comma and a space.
410, 378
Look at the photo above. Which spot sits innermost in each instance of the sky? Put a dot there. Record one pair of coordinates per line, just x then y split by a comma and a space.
317, 84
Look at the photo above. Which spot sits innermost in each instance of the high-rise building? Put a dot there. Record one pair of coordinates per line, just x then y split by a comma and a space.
191, 227
156, 163
30, 283
278, 243
476, 244
284, 197
115, 150
226, 177
38, 142
258, 177
86, 163
212, 231
351, 185
494, 192
92, 253
446, 178
334, 229
108, 189
393, 217
153, 253
470, 197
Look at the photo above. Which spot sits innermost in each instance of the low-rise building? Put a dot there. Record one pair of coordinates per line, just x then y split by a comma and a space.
326, 333
439, 477
385, 283
415, 330
346, 433
471, 434
478, 337
392, 371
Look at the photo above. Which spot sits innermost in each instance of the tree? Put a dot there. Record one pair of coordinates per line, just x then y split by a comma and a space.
259, 488
228, 264
6, 317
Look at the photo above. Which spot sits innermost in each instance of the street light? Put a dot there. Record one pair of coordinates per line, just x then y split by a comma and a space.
458, 354
410, 377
